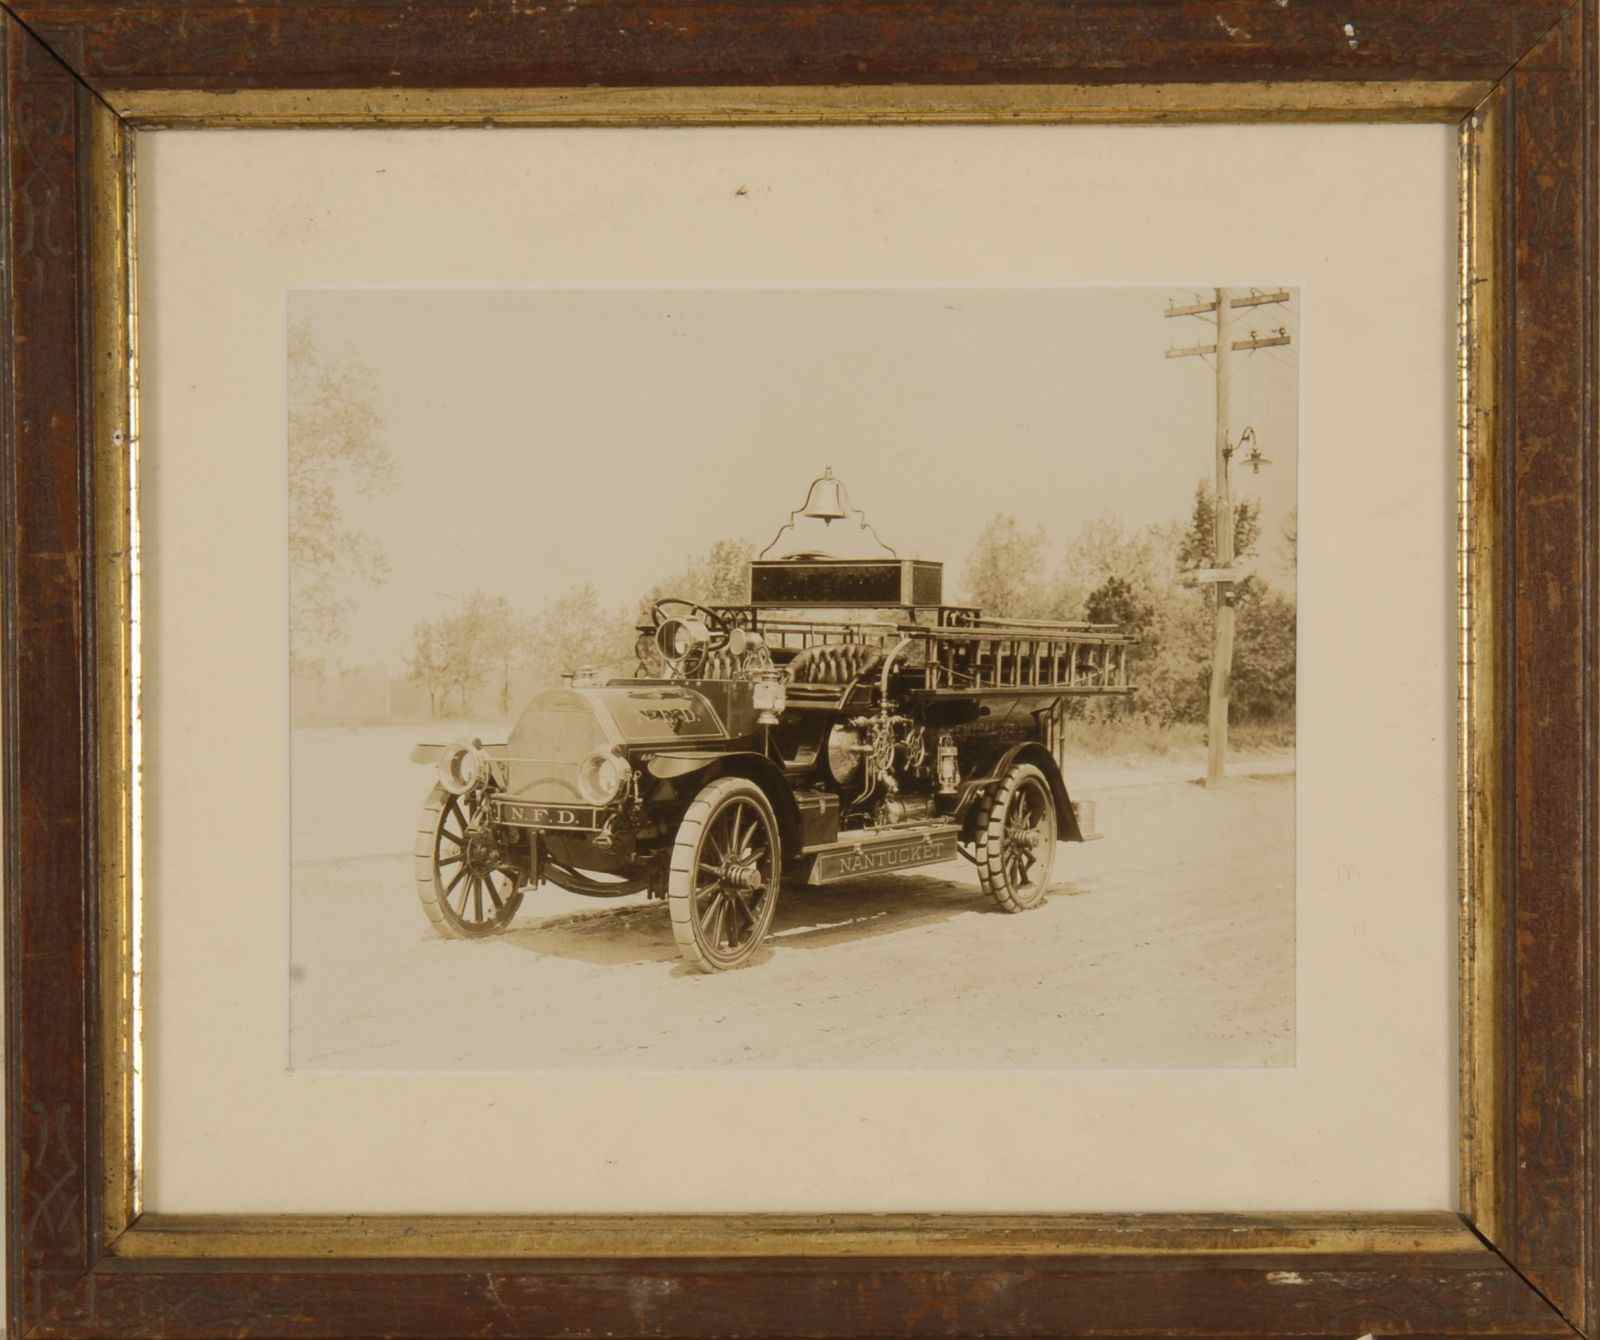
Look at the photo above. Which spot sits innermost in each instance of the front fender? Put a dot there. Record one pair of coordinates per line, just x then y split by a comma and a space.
743, 763
665, 767
1029, 751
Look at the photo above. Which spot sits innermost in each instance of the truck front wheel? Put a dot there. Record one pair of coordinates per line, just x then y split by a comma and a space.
722, 886
467, 887
1016, 839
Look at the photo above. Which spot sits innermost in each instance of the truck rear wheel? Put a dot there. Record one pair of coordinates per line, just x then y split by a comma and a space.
722, 885
466, 888
1016, 839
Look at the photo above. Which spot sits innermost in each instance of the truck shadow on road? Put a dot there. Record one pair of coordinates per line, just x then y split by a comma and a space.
807, 918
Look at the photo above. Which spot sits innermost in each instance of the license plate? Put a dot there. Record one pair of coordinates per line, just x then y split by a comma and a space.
528, 814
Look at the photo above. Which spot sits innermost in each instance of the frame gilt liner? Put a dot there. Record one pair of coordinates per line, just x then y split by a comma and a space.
1520, 78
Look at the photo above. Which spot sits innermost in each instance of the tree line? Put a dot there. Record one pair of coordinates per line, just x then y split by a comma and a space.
1107, 573
337, 452
488, 643
486, 647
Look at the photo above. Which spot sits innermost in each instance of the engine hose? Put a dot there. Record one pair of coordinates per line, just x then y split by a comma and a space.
888, 666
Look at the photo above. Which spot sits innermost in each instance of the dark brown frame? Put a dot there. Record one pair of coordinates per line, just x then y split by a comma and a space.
1519, 76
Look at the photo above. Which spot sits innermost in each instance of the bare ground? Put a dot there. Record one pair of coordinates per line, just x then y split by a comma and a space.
1169, 943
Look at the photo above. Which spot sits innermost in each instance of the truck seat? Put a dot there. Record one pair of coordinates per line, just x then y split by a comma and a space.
841, 664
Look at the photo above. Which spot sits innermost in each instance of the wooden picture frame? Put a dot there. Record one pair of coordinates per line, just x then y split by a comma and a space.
1519, 77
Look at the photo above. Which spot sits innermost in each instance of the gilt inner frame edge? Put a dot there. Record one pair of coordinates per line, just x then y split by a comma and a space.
111, 205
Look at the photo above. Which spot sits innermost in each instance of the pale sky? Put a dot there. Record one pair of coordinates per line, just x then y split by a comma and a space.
549, 437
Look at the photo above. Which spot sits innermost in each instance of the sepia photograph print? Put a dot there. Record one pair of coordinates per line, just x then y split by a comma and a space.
792, 677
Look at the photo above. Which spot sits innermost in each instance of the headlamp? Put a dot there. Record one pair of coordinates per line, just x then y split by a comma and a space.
678, 637
462, 768
602, 778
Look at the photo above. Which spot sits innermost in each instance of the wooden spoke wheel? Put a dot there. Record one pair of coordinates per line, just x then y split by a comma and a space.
1016, 839
722, 887
467, 886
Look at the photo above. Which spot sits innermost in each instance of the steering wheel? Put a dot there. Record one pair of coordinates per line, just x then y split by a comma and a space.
713, 621
719, 633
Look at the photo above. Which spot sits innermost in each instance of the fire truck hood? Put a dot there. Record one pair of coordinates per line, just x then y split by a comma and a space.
560, 728
657, 713
578, 722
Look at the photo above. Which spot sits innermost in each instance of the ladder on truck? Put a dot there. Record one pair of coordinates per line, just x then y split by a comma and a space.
999, 655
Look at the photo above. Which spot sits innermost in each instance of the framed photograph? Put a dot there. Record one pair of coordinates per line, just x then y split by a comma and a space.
800, 671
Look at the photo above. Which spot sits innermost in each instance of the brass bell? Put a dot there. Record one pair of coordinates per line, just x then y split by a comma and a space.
826, 501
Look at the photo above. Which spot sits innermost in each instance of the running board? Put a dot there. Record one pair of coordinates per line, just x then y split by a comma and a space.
873, 851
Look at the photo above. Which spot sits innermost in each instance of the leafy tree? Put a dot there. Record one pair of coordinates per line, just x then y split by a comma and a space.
1134, 577
727, 573
455, 652
426, 664
574, 630
1005, 571
1117, 601
508, 642
720, 577
1172, 664
1103, 549
336, 451
467, 638
1199, 548
1263, 687
486, 639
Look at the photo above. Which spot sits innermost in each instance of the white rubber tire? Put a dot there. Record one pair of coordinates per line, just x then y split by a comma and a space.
712, 804
434, 886
1012, 888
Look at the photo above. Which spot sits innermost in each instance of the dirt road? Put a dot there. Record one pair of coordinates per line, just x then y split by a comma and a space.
1169, 943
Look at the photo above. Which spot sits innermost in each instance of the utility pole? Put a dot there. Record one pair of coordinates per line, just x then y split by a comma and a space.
1222, 518
1223, 574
